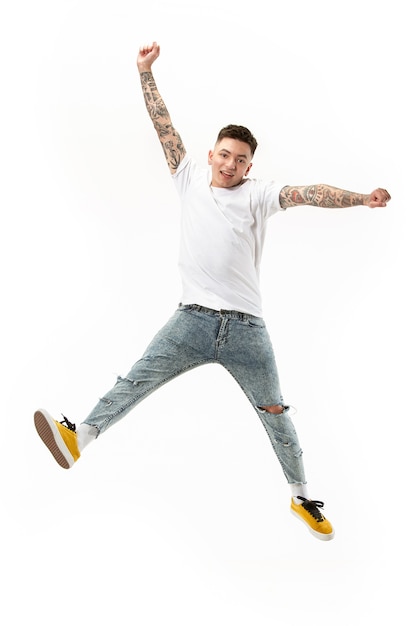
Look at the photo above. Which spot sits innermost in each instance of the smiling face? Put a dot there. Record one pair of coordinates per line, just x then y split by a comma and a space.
230, 161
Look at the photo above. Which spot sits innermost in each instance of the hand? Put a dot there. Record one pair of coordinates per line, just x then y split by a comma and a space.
147, 55
378, 198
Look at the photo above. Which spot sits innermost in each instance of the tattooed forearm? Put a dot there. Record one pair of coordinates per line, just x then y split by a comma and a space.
155, 106
170, 139
322, 196
153, 100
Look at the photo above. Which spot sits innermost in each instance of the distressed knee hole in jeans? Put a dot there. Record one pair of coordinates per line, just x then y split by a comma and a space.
281, 408
280, 426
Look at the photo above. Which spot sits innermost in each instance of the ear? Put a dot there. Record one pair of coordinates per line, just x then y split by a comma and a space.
210, 157
248, 169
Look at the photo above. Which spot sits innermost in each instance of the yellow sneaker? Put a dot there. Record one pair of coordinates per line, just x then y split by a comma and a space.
308, 512
59, 437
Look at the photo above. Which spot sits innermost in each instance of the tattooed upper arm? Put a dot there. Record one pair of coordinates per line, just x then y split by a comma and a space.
173, 149
293, 196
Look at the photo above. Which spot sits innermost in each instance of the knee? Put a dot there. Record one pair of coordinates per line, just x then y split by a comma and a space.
276, 409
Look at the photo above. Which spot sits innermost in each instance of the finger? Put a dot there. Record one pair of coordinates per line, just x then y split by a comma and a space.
385, 194
146, 49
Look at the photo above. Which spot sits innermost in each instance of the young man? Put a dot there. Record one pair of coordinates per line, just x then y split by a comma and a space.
219, 320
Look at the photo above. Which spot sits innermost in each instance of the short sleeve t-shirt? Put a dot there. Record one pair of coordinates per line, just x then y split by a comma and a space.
222, 236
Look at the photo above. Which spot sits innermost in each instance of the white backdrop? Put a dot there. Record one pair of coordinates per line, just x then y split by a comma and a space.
180, 514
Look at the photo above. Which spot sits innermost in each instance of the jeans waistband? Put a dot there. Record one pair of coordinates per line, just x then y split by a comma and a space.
222, 312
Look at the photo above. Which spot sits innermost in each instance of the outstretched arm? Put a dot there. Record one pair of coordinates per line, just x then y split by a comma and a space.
170, 140
331, 197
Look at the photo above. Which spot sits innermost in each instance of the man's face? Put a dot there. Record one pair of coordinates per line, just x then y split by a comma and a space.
230, 161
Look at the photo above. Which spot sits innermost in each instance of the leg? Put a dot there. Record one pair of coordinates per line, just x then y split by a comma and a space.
178, 347
183, 343
248, 355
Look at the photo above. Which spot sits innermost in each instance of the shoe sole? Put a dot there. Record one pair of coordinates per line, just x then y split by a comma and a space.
317, 535
49, 433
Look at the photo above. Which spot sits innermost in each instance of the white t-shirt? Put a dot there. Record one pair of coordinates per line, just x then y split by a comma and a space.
222, 236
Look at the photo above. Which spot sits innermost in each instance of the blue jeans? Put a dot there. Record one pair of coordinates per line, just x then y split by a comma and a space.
194, 336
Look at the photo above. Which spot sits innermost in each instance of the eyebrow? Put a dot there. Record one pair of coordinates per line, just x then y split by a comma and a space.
245, 156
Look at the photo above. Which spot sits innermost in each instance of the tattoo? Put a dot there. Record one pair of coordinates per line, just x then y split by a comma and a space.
174, 152
320, 195
170, 139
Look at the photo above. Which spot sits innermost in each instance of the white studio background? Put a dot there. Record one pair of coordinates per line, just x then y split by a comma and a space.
180, 514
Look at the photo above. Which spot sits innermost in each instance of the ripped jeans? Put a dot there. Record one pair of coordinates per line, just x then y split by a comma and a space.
194, 336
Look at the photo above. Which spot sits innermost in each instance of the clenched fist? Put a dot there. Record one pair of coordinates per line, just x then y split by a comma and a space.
147, 55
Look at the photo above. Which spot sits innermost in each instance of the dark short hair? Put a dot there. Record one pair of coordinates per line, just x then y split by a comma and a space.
241, 133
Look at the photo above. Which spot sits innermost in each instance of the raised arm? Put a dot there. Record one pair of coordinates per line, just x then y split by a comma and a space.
331, 197
170, 140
